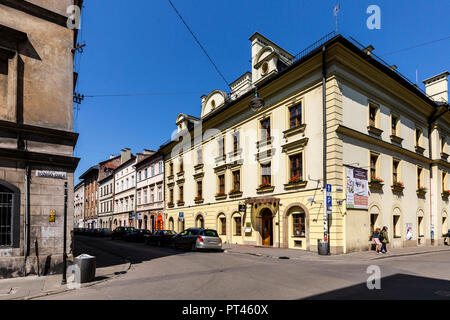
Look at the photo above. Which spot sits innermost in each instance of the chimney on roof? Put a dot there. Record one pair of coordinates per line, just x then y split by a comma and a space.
125, 155
437, 87
146, 151
111, 157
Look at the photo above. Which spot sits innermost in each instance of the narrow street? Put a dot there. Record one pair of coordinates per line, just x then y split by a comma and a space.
164, 273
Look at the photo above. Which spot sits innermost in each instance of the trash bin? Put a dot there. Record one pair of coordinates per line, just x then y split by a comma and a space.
322, 247
86, 268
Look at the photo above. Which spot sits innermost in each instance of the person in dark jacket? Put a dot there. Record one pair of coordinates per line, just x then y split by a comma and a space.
384, 239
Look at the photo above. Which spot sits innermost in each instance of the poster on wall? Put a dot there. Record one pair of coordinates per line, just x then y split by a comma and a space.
357, 188
409, 231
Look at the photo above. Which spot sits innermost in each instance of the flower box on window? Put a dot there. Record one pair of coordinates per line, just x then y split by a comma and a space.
198, 199
376, 183
445, 194
265, 187
235, 193
170, 204
421, 191
180, 202
221, 195
397, 187
295, 182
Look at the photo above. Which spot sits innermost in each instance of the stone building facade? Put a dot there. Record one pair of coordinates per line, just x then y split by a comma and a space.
256, 174
124, 193
36, 135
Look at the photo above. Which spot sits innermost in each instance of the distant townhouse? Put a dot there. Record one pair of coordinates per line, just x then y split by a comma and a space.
78, 199
150, 192
255, 166
124, 193
90, 180
106, 189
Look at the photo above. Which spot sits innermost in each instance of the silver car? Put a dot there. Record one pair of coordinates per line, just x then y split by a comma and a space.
198, 238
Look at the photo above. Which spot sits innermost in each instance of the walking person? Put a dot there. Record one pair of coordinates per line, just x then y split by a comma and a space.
383, 237
376, 239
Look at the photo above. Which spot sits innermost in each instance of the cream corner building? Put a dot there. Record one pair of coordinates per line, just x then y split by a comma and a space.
270, 163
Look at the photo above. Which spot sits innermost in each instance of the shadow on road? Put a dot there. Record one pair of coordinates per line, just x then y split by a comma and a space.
115, 252
395, 287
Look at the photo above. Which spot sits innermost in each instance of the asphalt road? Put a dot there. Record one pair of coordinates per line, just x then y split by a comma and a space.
169, 274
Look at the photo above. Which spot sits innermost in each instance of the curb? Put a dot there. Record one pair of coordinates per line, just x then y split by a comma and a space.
408, 254
115, 275
363, 259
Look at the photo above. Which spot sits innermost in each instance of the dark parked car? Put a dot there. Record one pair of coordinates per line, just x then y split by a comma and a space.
89, 232
161, 237
120, 232
102, 232
137, 235
447, 238
198, 238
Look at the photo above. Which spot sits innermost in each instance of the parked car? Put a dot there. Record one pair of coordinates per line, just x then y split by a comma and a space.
89, 232
103, 232
447, 238
198, 238
161, 237
137, 235
119, 232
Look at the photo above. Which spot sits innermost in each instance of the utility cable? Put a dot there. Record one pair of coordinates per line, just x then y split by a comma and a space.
198, 42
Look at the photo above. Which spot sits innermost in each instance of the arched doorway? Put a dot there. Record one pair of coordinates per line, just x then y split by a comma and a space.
145, 222
267, 227
200, 222
152, 223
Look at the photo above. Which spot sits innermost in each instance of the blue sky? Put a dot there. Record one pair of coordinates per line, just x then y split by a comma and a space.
141, 46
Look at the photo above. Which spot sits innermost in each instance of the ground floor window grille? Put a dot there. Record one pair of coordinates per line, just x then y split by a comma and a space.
6, 209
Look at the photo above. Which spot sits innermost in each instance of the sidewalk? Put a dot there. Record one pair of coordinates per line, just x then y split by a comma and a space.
281, 253
33, 286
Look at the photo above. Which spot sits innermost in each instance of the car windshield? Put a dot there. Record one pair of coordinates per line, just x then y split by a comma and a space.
168, 232
210, 233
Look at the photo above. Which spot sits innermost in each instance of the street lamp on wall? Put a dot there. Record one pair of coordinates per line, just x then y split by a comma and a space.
257, 103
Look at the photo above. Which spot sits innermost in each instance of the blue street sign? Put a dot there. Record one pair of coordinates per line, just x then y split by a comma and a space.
328, 187
181, 215
329, 201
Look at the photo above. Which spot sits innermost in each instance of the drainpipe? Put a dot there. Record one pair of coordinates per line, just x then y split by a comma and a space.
324, 160
26, 233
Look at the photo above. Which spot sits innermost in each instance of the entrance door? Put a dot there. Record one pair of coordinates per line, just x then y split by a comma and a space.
267, 227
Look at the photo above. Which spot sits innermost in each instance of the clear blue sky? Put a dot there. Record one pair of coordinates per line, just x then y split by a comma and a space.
141, 46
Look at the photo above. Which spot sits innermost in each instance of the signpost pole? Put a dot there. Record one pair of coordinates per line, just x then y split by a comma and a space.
64, 275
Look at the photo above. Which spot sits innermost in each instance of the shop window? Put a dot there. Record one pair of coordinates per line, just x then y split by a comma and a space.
298, 223
238, 226
396, 224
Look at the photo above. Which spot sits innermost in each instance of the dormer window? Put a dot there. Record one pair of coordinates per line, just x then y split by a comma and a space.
213, 104
264, 68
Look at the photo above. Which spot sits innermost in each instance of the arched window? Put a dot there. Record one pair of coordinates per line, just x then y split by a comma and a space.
171, 224
222, 224
237, 224
298, 221
200, 222
9, 215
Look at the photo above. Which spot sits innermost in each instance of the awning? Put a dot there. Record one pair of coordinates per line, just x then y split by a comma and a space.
261, 200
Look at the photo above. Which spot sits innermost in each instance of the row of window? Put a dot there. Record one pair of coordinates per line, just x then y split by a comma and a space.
126, 204
295, 170
142, 194
106, 206
124, 184
295, 120
106, 190
374, 122
144, 174
396, 173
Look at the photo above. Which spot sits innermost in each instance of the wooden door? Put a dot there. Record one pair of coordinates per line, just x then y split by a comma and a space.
267, 230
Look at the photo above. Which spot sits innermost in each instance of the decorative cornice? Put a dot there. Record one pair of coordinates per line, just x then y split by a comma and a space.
295, 130
301, 143
53, 160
